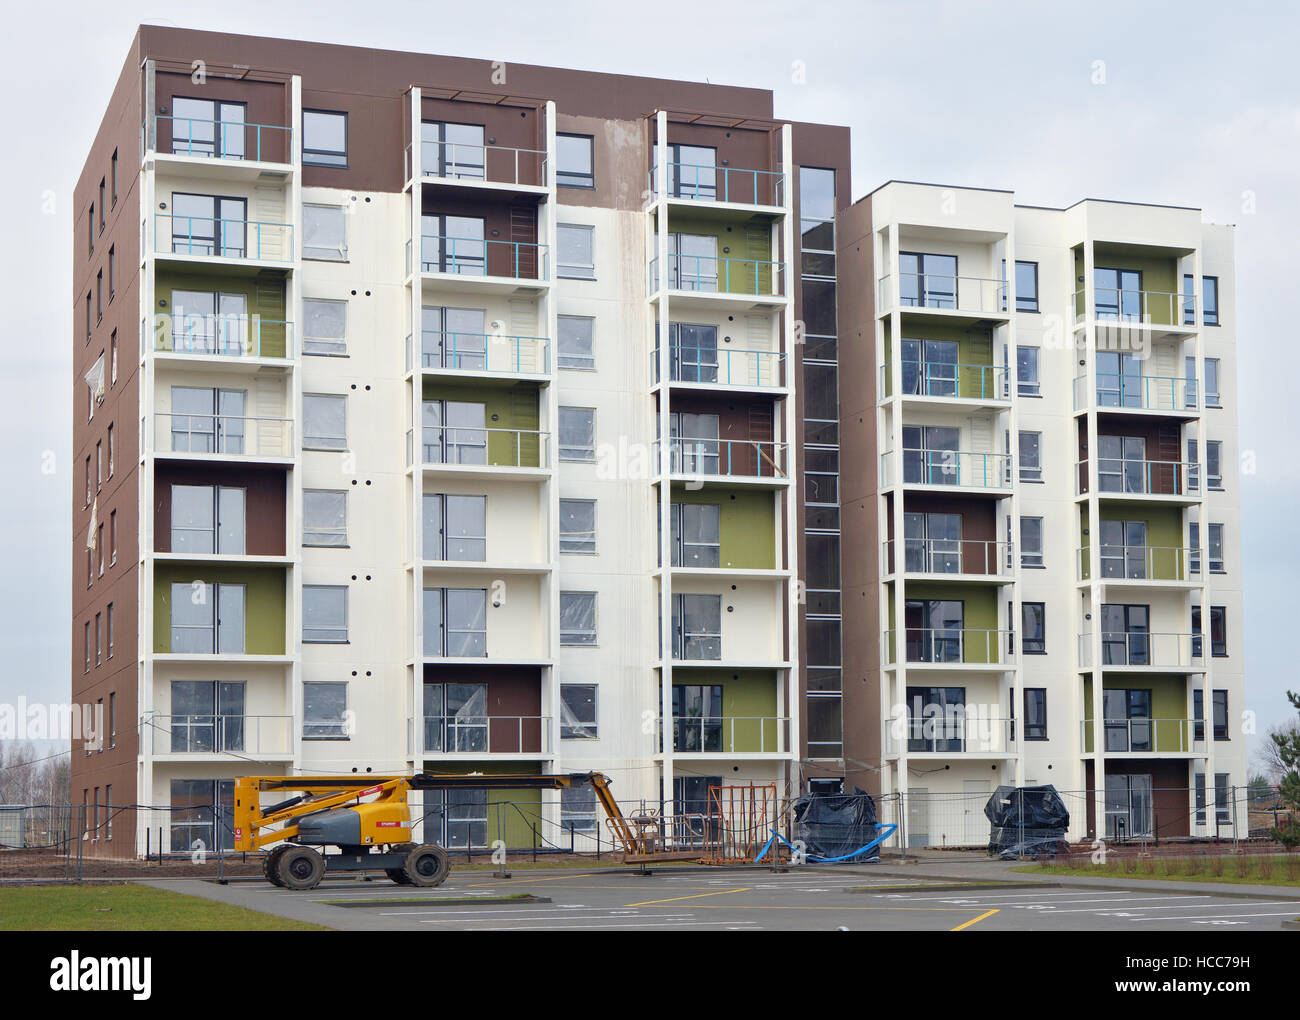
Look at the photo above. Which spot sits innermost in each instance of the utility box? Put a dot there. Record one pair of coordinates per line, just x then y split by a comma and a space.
11, 826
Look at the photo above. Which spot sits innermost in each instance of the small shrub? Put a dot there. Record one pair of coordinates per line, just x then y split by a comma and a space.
1264, 865
1216, 865
1292, 868
1241, 867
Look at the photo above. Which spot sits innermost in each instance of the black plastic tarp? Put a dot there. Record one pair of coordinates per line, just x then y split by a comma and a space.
1026, 820
835, 825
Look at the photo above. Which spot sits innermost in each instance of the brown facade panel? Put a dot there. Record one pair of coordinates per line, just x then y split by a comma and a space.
264, 502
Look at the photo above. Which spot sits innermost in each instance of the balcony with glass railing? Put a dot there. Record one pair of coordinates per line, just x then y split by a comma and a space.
951, 732
1134, 392
1143, 650
942, 293
948, 381
478, 353
706, 276
206, 237
733, 459
482, 736
728, 735
471, 165
224, 336
956, 559
729, 185
1143, 735
1133, 307
222, 436
722, 366
464, 448
1129, 478
229, 141
1144, 563
939, 647
470, 258
948, 469
216, 736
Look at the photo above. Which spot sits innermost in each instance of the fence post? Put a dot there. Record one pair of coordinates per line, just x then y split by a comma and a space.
1235, 847
902, 825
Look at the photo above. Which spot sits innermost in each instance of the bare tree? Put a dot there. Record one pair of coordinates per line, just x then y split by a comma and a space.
32, 776
1268, 756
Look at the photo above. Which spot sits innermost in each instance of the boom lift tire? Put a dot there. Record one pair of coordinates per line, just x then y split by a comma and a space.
398, 875
271, 864
300, 868
426, 866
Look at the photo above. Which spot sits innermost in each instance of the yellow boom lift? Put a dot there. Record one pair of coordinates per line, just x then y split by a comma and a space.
368, 819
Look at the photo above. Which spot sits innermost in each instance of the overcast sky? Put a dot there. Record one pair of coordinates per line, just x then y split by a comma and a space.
1200, 106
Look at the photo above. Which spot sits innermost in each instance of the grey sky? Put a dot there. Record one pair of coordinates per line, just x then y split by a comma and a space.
1200, 107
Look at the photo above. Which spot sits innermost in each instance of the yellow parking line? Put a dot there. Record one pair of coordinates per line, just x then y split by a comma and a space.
974, 920
693, 896
551, 878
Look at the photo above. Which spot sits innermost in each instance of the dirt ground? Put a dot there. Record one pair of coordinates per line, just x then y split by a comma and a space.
34, 864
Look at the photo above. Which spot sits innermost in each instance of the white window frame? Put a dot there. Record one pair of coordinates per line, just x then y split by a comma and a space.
576, 270
325, 632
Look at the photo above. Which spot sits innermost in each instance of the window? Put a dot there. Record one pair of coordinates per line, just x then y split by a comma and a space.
455, 622
324, 138
696, 540
109, 620
86, 668
576, 342
577, 618
697, 717
1031, 464
930, 455
1031, 542
935, 629
103, 201
99, 465
455, 527
577, 260
99, 295
455, 717
112, 700
693, 172
1126, 719
206, 618
932, 544
112, 271
112, 176
578, 712
697, 626
1209, 300
1033, 616
324, 233
99, 549
1035, 713
936, 718
324, 326
112, 359
90, 227
90, 323
208, 128
574, 163
1220, 699
112, 537
1027, 371
209, 225
207, 716
1212, 383
456, 338
1213, 457
458, 244
324, 613
578, 810
578, 526
1218, 632
1026, 286
208, 519
112, 450
99, 642
927, 280
324, 710
324, 420
455, 432
578, 434
89, 485
1215, 534
202, 813
324, 517
453, 150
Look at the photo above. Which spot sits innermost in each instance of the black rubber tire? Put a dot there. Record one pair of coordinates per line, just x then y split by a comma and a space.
427, 866
398, 875
300, 868
270, 866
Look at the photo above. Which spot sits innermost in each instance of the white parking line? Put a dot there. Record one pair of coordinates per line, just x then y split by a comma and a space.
975, 898
1096, 902
1214, 917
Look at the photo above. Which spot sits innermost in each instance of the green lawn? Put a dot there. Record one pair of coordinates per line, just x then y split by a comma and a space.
127, 908
1237, 870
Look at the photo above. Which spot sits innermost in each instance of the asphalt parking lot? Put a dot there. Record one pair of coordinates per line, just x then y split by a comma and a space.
804, 899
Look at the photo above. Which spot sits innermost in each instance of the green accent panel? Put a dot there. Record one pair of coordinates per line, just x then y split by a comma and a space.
264, 597
980, 614
1164, 535
974, 349
265, 299
746, 525
507, 408
1169, 701
746, 697
1159, 277
749, 243
522, 808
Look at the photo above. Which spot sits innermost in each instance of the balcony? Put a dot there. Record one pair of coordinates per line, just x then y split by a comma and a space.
493, 354
1141, 651
737, 460
213, 436
479, 736
465, 164
950, 732
1170, 480
203, 238
948, 381
224, 337
477, 450
1144, 736
701, 279
722, 366
943, 294
952, 559
948, 469
952, 647
1133, 308
215, 736
728, 735
222, 140
728, 185
1141, 563
464, 260
1162, 393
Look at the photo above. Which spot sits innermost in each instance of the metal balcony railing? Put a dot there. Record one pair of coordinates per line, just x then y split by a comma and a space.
1140, 563
223, 435
940, 646
209, 237
951, 730
223, 139
1144, 649
247, 735
706, 274
457, 445
1131, 307
463, 256
948, 468
951, 556
480, 352
487, 734
952, 380
491, 164
1138, 392
722, 366
234, 336
729, 458
1140, 477
942, 292
1143, 735
707, 182
728, 734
